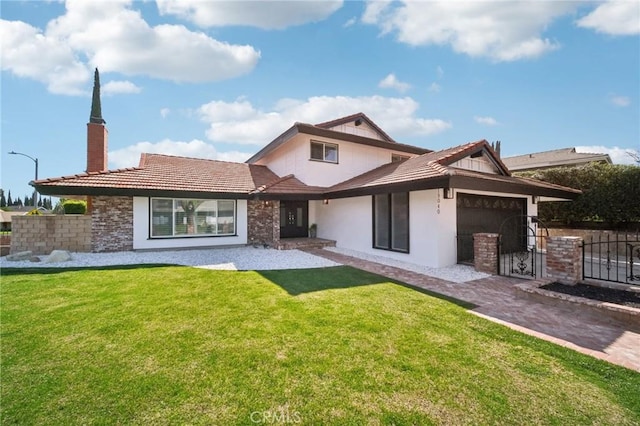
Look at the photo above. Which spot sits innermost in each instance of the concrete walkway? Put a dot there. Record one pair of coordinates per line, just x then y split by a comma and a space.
497, 299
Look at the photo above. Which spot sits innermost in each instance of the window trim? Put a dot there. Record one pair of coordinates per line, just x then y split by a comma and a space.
234, 233
390, 234
324, 151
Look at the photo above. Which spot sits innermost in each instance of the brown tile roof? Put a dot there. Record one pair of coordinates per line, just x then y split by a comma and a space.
171, 176
432, 171
166, 174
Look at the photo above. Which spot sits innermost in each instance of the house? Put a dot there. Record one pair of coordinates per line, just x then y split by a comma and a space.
566, 157
364, 190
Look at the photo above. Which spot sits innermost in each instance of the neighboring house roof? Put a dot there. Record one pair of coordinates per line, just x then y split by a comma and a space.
5, 216
322, 130
554, 158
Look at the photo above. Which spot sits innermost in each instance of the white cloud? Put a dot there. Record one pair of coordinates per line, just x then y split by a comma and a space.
487, 121
240, 122
614, 17
115, 38
621, 101
392, 82
351, 22
27, 52
261, 14
435, 87
164, 112
116, 87
440, 71
130, 156
502, 31
618, 155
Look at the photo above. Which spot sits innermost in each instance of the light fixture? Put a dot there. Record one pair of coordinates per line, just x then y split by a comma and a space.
448, 193
325, 201
535, 199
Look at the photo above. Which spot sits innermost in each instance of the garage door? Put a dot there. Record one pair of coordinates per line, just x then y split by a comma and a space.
481, 213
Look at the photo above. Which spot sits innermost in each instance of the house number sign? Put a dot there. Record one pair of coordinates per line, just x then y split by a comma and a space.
438, 203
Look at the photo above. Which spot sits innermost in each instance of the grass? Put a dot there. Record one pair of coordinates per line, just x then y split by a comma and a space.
179, 345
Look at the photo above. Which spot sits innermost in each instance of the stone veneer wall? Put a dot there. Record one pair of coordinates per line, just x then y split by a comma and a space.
111, 224
485, 253
564, 259
43, 234
263, 222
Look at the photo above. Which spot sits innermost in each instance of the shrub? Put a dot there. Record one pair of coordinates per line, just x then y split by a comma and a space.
610, 193
74, 207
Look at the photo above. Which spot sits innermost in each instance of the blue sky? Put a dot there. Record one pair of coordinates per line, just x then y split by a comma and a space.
221, 79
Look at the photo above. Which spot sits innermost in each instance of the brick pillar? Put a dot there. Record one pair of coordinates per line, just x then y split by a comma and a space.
485, 253
564, 259
263, 222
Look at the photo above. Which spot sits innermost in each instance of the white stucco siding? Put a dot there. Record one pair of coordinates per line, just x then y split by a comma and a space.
353, 159
432, 235
141, 240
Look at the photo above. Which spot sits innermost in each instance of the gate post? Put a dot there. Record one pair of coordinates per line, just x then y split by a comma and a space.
564, 259
485, 253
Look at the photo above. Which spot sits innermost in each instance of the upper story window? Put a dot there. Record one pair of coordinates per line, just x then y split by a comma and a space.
397, 158
323, 151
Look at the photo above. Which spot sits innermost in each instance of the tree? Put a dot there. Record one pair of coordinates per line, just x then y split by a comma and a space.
9, 200
3, 201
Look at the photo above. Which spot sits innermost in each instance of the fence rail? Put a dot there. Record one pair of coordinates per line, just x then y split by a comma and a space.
613, 258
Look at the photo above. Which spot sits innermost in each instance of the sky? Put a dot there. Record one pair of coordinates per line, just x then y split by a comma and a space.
221, 79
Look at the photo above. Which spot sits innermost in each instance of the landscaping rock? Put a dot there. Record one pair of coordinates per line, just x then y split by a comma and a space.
20, 256
34, 259
58, 256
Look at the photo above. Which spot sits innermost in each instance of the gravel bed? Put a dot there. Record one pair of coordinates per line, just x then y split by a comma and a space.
235, 259
240, 259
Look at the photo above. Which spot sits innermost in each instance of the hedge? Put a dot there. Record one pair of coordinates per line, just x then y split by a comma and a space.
610, 193
74, 206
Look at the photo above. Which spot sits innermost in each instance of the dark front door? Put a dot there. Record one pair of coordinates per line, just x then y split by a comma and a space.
294, 219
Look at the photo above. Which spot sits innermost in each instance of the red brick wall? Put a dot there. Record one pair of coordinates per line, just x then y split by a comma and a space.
564, 259
485, 253
111, 224
263, 222
97, 140
43, 234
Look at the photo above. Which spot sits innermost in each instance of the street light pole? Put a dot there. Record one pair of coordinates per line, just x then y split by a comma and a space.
35, 191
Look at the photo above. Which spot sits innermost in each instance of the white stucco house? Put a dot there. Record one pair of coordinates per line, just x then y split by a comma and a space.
363, 190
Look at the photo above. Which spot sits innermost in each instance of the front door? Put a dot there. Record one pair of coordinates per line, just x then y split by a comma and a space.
294, 219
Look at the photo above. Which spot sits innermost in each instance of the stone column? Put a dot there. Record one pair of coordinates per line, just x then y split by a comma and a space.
564, 259
485, 253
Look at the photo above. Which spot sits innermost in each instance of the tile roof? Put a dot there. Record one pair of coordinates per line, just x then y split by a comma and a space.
166, 173
433, 170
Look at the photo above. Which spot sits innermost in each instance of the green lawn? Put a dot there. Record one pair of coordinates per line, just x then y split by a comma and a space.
179, 345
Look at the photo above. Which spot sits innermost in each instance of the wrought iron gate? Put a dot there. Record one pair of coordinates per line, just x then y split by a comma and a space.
522, 247
612, 258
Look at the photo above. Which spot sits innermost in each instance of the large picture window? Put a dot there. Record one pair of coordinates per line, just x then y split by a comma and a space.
324, 152
391, 222
187, 217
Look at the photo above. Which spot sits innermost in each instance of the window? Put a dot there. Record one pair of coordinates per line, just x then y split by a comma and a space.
324, 152
397, 158
391, 222
187, 217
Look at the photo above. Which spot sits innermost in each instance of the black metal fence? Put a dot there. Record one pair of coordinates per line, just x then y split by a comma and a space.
612, 257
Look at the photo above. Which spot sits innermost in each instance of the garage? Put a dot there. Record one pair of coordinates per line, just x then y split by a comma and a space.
483, 213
